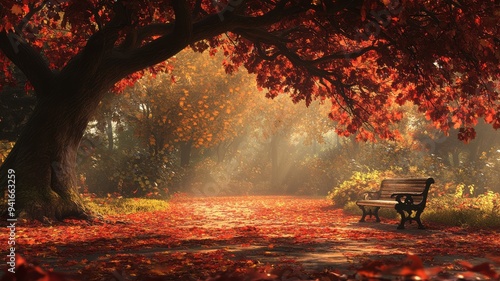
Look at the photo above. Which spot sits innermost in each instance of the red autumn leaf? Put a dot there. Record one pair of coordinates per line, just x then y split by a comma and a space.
17, 10
414, 268
485, 269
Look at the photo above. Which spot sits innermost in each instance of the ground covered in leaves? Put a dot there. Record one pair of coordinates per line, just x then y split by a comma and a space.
250, 238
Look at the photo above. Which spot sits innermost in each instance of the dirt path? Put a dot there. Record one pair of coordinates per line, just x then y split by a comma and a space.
196, 237
318, 236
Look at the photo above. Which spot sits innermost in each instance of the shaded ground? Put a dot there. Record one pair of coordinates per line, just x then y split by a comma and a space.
197, 237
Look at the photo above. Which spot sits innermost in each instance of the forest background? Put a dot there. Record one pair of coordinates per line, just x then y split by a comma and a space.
198, 130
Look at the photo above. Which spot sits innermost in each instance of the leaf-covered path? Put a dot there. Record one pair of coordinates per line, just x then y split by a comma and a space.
198, 237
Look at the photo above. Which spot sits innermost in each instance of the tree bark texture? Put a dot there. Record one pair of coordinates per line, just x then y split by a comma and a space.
44, 158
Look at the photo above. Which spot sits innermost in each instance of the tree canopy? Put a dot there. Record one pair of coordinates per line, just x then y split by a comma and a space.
364, 56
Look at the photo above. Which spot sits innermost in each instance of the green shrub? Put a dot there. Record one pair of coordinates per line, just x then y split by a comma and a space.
350, 190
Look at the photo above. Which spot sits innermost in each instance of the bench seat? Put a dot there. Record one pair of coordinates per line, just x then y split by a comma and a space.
377, 203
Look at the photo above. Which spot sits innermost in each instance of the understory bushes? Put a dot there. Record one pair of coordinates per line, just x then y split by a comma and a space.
127, 174
447, 204
461, 210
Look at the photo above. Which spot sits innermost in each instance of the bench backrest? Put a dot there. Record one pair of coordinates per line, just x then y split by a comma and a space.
403, 185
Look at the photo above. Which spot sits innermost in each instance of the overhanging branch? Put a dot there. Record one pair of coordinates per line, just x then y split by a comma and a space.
29, 60
183, 26
33, 10
311, 66
131, 56
98, 45
344, 55
184, 32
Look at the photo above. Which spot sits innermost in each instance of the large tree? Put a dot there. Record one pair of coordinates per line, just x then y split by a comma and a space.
363, 55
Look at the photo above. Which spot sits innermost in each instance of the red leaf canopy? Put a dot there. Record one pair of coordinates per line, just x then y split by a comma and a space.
365, 56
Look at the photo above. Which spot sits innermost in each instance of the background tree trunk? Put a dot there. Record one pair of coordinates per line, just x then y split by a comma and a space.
109, 131
186, 148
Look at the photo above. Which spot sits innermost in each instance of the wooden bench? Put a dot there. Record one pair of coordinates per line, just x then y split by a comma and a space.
407, 196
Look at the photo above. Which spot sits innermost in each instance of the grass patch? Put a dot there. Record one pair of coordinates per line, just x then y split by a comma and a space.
462, 217
482, 211
115, 206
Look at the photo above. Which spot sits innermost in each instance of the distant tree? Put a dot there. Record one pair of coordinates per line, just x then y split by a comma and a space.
202, 107
288, 131
363, 55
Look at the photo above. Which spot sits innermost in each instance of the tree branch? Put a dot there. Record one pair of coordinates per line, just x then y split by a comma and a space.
98, 45
344, 55
29, 15
155, 29
259, 36
183, 26
135, 38
29, 60
308, 65
262, 53
177, 37
198, 10
185, 32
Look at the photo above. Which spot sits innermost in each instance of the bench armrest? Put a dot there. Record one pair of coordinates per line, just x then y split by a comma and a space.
408, 197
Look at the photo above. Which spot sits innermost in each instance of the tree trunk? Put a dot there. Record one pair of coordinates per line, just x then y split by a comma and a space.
44, 158
186, 153
221, 149
109, 131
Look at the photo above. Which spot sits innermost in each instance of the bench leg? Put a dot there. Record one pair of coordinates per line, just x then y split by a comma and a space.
364, 213
403, 218
408, 217
370, 213
376, 214
417, 219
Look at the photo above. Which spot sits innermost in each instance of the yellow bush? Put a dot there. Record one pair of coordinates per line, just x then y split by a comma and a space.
350, 190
